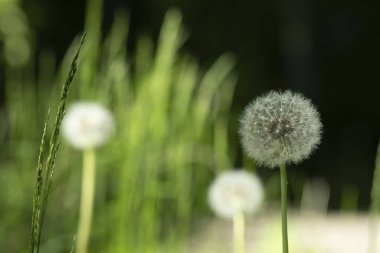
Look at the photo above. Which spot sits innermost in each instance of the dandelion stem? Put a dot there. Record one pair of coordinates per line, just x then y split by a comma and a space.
239, 232
87, 199
375, 205
284, 209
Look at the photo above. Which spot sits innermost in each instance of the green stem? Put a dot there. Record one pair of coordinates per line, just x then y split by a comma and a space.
87, 200
375, 205
284, 209
239, 233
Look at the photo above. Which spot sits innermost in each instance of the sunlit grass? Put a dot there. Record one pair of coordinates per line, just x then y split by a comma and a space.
152, 178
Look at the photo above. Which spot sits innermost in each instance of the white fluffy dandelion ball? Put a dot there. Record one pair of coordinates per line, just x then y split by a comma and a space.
87, 125
235, 191
280, 128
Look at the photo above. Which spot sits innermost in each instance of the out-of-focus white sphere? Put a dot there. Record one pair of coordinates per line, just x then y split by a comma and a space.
87, 125
235, 191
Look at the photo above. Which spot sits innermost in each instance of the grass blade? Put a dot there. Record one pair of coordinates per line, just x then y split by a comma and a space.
43, 182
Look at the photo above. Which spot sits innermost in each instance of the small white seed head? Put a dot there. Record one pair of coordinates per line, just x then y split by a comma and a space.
280, 128
235, 191
87, 125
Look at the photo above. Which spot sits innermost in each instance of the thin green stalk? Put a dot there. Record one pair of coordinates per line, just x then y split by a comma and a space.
34, 237
284, 208
375, 205
87, 200
239, 232
44, 177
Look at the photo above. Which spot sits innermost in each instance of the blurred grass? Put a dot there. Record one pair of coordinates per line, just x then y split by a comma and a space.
172, 120
172, 137
15, 34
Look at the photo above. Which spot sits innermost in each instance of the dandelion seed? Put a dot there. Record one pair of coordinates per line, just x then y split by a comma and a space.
280, 128
235, 191
87, 125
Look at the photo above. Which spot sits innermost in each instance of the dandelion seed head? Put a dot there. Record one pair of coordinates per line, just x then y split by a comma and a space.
87, 125
280, 128
235, 191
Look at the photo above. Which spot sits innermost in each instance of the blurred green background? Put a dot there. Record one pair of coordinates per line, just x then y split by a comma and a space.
328, 50
175, 91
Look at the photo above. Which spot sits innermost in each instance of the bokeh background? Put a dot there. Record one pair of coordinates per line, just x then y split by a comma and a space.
327, 50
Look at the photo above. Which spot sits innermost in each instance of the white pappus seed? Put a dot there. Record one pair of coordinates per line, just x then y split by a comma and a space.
280, 128
87, 125
235, 191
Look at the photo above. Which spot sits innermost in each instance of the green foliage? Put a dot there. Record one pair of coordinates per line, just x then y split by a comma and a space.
172, 134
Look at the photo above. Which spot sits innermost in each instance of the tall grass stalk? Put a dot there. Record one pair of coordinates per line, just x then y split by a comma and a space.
93, 22
44, 178
36, 231
375, 205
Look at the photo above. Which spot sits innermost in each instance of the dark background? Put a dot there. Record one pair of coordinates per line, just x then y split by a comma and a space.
325, 49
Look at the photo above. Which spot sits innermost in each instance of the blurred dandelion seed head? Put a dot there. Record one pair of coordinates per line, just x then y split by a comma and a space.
280, 128
235, 191
87, 125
